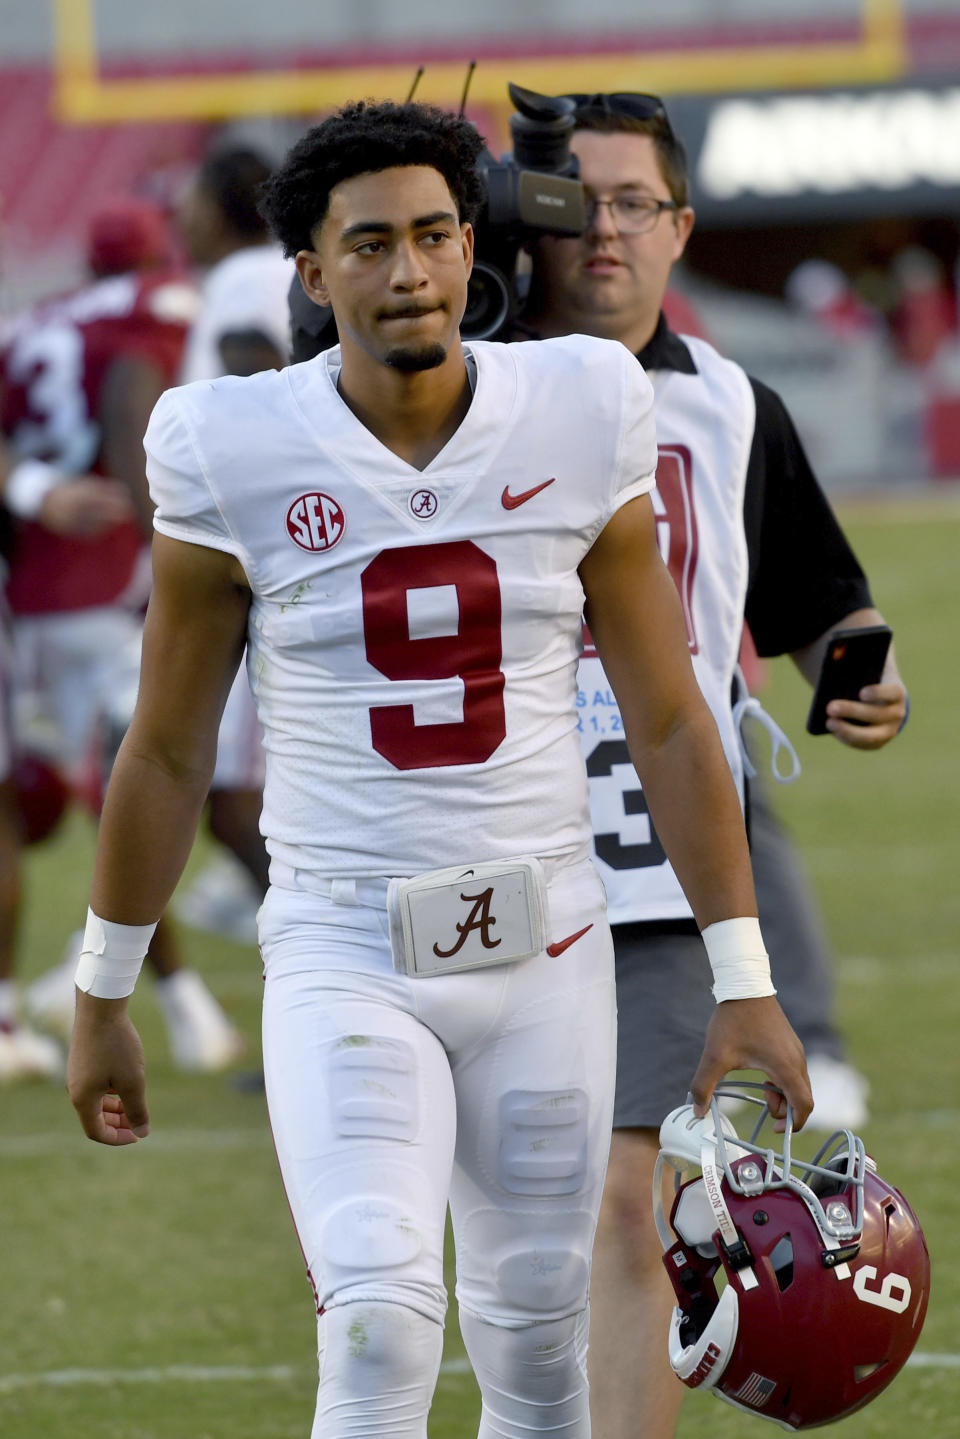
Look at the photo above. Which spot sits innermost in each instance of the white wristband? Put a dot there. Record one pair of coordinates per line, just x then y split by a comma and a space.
740, 964
28, 485
111, 957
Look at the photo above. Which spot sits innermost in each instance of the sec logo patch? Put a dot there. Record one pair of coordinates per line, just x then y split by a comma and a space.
315, 522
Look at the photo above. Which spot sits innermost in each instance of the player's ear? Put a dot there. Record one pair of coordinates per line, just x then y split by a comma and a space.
311, 277
467, 240
683, 224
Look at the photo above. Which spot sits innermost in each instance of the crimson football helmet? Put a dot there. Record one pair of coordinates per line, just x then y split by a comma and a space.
826, 1269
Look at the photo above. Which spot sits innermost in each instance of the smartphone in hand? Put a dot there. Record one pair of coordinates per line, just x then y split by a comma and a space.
852, 659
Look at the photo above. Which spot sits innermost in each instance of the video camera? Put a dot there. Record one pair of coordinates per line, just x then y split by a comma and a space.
533, 191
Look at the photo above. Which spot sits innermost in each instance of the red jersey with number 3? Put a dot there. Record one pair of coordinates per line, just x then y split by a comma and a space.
55, 365
414, 634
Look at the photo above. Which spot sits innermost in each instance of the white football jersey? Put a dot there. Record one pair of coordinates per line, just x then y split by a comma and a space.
705, 424
414, 634
246, 290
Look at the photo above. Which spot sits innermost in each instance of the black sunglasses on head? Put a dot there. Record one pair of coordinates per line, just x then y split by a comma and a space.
623, 102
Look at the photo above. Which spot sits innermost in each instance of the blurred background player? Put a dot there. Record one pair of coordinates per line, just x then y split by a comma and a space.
32, 794
243, 326
81, 374
746, 532
23, 1052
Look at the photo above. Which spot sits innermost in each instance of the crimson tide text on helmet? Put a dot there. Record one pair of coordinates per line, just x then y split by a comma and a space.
826, 1269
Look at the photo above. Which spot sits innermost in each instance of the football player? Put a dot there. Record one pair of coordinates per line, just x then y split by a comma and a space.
243, 326
24, 1054
403, 534
747, 533
80, 505
80, 374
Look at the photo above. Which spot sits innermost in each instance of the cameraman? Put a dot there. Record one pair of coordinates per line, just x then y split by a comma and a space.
765, 548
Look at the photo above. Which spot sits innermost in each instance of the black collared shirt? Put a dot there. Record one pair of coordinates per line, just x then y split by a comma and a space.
803, 574
666, 351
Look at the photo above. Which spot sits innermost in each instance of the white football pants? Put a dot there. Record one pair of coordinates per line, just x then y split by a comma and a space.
391, 1095
70, 667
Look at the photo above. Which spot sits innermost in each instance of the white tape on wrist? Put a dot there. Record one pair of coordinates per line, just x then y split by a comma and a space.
28, 485
111, 957
740, 963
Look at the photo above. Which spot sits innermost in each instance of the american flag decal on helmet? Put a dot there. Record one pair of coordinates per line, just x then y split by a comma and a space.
755, 1391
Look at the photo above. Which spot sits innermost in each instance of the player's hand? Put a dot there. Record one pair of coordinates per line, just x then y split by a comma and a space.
871, 720
105, 1072
86, 506
754, 1034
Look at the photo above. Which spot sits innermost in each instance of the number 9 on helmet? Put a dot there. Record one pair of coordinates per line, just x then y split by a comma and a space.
801, 1285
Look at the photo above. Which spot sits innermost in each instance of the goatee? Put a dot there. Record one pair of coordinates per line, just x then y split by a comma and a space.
424, 357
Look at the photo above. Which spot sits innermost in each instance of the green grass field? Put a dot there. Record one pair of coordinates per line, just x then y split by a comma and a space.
158, 1292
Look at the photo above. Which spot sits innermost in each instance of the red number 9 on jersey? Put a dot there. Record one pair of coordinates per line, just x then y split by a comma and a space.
474, 653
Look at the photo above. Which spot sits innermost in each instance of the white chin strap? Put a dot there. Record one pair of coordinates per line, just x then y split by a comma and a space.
686, 1140
701, 1365
748, 706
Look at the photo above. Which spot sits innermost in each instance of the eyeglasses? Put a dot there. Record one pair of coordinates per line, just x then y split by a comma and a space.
632, 214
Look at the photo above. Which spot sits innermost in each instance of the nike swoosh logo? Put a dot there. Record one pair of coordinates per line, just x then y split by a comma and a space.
554, 949
511, 502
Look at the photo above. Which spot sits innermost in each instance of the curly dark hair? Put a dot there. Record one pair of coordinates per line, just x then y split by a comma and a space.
360, 139
232, 177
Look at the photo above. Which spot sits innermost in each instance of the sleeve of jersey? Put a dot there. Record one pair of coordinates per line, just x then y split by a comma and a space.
185, 506
635, 471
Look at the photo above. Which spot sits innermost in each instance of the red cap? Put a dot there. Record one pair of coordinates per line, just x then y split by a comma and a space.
127, 235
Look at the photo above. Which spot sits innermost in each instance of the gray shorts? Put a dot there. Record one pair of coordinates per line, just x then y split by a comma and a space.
664, 1003
664, 997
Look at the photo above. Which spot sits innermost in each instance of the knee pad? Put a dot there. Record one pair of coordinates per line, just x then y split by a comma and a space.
532, 1377
378, 1369
378, 1234
525, 1277
530, 1261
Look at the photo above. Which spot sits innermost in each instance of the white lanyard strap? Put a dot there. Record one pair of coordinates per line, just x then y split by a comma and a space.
748, 705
